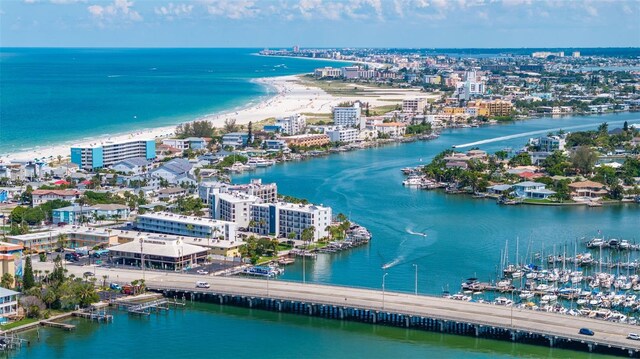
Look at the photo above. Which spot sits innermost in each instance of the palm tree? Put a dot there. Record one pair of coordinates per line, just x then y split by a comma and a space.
62, 240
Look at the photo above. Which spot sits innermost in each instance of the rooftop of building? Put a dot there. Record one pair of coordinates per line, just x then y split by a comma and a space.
58, 192
111, 143
4, 292
158, 246
133, 162
165, 216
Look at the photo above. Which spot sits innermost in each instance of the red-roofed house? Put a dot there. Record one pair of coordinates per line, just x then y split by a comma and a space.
41, 196
61, 182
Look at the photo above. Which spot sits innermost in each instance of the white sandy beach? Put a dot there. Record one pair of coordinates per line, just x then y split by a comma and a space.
291, 97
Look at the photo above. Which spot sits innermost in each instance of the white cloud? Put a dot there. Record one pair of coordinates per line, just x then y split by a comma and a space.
592, 11
57, 2
172, 10
232, 9
118, 10
336, 10
65, 2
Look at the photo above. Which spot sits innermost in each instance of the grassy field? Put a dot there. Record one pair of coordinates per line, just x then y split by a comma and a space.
381, 110
18, 323
338, 88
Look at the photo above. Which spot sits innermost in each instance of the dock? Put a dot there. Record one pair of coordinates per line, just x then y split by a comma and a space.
99, 316
64, 326
145, 308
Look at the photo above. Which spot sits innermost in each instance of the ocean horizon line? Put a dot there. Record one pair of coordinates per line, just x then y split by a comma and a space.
320, 48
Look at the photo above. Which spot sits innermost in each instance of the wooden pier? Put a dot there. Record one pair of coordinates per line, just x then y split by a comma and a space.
64, 326
145, 308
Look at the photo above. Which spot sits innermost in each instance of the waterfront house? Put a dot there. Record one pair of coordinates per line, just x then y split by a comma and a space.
587, 190
235, 139
41, 196
8, 303
393, 129
136, 165
533, 190
457, 164
499, 189
307, 140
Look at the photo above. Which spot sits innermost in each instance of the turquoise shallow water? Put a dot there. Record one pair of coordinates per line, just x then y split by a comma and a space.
51, 96
208, 330
464, 236
464, 239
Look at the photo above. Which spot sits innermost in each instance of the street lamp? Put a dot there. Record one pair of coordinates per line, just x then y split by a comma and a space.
142, 257
416, 280
383, 277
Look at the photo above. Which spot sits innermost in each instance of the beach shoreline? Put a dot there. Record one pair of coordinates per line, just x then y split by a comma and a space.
281, 99
285, 96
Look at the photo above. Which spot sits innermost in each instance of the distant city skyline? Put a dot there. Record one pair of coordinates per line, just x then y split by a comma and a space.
320, 23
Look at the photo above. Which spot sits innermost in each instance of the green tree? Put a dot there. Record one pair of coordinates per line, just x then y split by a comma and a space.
583, 159
57, 276
521, 159
616, 192
556, 164
28, 280
7, 281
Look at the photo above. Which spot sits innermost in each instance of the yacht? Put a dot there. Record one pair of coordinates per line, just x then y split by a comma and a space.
260, 162
413, 181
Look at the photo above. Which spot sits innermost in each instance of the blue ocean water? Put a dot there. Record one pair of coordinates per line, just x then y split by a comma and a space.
50, 96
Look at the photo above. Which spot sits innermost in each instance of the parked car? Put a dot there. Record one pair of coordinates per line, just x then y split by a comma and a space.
586, 331
202, 271
70, 257
633, 336
115, 286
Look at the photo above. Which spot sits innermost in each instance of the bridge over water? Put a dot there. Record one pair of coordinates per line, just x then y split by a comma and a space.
390, 308
412, 311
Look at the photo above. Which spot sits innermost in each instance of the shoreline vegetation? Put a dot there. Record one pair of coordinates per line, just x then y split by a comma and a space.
592, 168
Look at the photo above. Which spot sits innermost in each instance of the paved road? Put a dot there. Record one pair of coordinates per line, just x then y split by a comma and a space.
554, 324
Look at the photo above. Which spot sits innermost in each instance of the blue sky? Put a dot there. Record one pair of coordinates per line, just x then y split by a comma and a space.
320, 23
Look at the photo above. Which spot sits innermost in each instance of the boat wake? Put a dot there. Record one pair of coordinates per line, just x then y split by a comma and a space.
415, 233
393, 263
525, 134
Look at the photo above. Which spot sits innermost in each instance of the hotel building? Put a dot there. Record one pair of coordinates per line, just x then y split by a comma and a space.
169, 223
110, 153
347, 116
282, 219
